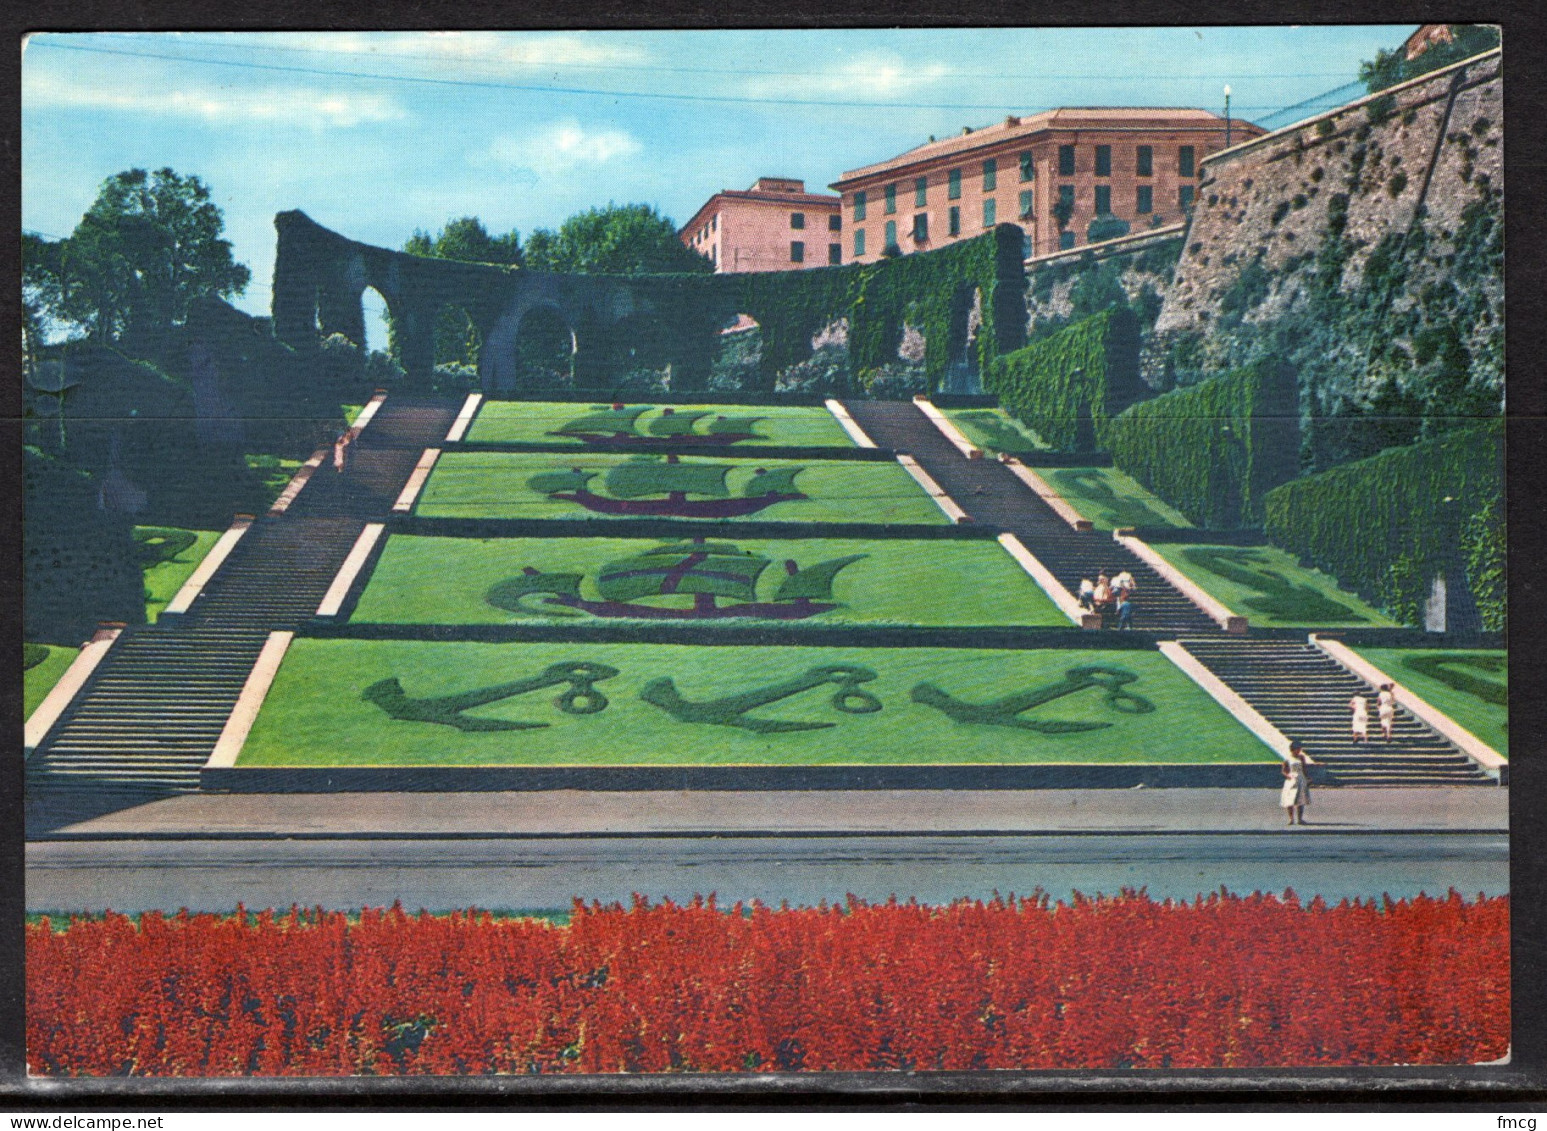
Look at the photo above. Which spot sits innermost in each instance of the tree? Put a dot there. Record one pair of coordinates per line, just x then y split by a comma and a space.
457, 341
621, 239
1389, 68
149, 245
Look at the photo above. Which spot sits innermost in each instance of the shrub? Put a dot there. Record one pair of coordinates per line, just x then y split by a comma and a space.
1073, 381
1215, 449
1386, 525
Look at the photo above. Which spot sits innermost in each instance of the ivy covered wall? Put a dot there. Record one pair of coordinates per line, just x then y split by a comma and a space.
1067, 386
1215, 449
1388, 525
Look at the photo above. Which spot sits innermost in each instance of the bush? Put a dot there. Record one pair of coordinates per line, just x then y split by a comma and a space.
1385, 526
1067, 386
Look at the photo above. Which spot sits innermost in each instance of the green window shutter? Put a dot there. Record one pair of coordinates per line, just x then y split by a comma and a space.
891, 199
953, 184
990, 175
1028, 204
1066, 160
1103, 160
920, 192
954, 220
859, 205
1144, 161
1184, 197
990, 217
1028, 170
891, 234
1184, 161
1146, 200
859, 242
1103, 200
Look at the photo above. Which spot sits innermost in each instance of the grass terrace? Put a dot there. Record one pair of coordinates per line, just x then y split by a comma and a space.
579, 423
414, 703
43, 666
1271, 588
170, 555
995, 430
1472, 687
1111, 499
534, 485
421, 580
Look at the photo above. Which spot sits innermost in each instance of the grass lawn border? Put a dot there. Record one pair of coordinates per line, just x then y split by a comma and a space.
1465, 710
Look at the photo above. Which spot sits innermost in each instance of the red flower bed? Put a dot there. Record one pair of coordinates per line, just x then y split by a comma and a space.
1224, 981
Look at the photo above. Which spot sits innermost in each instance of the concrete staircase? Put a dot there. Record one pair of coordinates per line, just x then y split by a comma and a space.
1304, 693
148, 717
991, 493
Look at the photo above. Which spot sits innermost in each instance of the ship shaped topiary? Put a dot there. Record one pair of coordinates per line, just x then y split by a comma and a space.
651, 486
710, 571
617, 426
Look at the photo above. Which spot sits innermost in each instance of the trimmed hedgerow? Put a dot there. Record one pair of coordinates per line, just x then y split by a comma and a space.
931, 291
1215, 449
1387, 525
1087, 372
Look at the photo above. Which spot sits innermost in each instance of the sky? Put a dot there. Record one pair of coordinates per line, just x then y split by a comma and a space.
377, 135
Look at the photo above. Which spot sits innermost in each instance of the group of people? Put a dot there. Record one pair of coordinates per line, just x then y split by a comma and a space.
1385, 709
1109, 596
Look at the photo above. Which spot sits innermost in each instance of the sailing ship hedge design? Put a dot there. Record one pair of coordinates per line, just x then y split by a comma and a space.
710, 571
649, 485
617, 426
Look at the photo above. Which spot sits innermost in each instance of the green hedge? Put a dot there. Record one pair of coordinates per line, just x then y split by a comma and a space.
1215, 449
1087, 371
930, 290
1387, 525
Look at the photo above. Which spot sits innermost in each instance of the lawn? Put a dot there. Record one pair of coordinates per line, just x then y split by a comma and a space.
274, 472
995, 430
1471, 687
1110, 499
170, 556
501, 485
749, 425
662, 705
44, 672
1270, 588
447, 580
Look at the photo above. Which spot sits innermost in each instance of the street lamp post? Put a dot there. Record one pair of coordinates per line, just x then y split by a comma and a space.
1227, 115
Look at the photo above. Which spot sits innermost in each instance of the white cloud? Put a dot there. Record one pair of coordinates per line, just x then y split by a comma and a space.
558, 147
510, 49
869, 76
293, 105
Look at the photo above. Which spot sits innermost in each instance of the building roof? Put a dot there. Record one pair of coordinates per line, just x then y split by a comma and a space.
809, 198
1064, 118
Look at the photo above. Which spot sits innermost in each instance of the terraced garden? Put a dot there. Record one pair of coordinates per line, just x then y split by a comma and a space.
540, 485
1111, 499
42, 666
646, 426
168, 556
1271, 588
430, 580
430, 703
1472, 687
995, 430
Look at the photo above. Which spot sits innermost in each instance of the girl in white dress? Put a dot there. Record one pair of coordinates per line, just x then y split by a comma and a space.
1361, 720
1386, 709
1296, 792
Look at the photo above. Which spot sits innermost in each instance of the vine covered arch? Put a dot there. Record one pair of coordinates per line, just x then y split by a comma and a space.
319, 276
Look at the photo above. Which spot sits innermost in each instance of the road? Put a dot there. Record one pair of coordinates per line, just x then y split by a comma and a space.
522, 871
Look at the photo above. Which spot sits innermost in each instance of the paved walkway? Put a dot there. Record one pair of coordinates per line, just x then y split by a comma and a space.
813, 813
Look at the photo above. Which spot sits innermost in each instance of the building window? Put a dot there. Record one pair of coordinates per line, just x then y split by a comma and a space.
891, 199
1146, 201
1066, 197
1103, 200
835, 222
1066, 160
953, 184
920, 191
859, 205
1184, 160
921, 228
954, 220
1184, 197
1144, 161
990, 213
797, 251
1103, 160
834, 254
714, 222
859, 242
1065, 241
1028, 204
1028, 172
891, 236
797, 219
990, 175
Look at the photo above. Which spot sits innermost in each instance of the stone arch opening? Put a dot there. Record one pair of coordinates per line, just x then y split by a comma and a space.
964, 324
375, 322
544, 348
738, 354
458, 340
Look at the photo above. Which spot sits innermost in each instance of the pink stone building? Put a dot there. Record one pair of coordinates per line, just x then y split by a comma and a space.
1052, 173
776, 225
